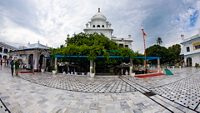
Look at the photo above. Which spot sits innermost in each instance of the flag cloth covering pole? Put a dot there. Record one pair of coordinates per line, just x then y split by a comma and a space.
145, 56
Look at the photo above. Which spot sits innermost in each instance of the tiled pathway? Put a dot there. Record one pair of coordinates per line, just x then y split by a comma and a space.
21, 96
81, 83
182, 88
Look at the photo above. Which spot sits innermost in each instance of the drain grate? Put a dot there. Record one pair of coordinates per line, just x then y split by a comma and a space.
149, 94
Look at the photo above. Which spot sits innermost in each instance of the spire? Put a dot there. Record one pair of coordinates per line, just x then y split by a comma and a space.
99, 10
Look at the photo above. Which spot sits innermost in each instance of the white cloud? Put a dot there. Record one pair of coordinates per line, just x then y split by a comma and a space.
14, 34
51, 20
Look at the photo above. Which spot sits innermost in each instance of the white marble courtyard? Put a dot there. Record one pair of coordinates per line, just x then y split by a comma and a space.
44, 93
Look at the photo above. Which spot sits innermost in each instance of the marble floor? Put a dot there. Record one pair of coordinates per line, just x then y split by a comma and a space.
45, 93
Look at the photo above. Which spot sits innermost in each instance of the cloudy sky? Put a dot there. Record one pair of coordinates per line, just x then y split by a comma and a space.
49, 21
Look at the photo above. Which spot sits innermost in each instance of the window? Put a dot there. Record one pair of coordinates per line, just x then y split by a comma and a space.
0, 49
102, 25
98, 26
126, 46
94, 26
120, 45
197, 47
188, 49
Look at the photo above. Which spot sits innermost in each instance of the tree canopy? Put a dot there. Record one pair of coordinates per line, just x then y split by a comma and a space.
174, 53
169, 55
92, 45
159, 51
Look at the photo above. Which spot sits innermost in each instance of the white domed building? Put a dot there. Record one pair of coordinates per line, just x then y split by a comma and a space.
99, 24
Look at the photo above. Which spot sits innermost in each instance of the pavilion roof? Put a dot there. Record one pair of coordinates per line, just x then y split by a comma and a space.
33, 46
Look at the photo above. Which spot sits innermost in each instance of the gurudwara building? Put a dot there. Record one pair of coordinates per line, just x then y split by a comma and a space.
99, 24
191, 50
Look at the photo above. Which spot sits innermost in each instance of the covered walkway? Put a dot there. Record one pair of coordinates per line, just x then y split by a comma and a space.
92, 66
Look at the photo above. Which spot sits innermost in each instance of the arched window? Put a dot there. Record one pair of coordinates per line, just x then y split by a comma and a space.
5, 50
98, 26
102, 25
94, 26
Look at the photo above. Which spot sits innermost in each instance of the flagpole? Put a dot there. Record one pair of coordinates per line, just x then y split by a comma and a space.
145, 56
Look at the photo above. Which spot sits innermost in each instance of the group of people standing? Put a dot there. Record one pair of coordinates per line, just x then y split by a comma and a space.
14, 64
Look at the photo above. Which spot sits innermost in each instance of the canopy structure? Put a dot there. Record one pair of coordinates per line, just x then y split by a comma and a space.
147, 58
112, 57
77, 56
92, 64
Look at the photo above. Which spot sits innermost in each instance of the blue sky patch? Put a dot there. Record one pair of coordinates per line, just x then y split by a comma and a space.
194, 18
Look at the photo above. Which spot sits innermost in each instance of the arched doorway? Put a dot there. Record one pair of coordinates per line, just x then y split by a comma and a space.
189, 62
5, 57
30, 61
41, 61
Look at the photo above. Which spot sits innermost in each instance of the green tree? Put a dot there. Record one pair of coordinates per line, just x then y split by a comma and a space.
92, 45
169, 55
174, 53
158, 51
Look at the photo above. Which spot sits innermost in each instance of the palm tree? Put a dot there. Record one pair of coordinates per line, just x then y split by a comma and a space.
159, 40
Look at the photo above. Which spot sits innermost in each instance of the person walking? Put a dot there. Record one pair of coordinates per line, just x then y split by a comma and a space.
16, 67
12, 67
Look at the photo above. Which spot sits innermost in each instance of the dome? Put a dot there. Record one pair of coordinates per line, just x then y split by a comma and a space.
98, 16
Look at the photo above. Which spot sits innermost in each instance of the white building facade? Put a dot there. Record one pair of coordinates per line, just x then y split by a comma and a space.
4, 51
33, 56
99, 24
191, 50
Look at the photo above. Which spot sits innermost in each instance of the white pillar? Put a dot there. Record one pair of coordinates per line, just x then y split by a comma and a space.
122, 71
3, 49
35, 61
3, 54
158, 64
131, 66
92, 68
44, 62
56, 67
